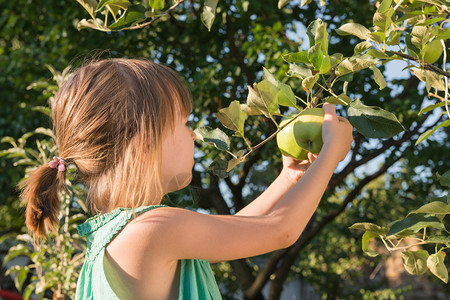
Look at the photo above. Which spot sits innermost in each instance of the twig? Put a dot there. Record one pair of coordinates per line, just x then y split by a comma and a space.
406, 247
445, 79
320, 91
138, 26
398, 5
271, 136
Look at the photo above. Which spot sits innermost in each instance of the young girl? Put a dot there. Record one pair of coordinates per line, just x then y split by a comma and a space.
122, 123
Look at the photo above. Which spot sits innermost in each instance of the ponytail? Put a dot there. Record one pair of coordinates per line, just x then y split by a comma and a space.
40, 193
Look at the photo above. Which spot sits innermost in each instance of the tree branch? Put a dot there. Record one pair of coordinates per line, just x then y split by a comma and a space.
138, 26
422, 63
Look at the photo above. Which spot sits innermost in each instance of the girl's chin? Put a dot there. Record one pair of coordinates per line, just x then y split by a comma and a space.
179, 181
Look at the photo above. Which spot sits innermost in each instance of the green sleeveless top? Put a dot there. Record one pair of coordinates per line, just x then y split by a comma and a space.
98, 280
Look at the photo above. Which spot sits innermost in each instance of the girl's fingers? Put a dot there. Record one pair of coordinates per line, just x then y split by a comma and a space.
330, 112
312, 157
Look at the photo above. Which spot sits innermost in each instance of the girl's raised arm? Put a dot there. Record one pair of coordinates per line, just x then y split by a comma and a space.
182, 234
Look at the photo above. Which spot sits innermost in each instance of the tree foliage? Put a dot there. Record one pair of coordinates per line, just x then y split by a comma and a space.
221, 48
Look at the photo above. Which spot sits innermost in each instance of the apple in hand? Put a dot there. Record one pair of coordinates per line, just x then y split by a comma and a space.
302, 135
287, 144
308, 130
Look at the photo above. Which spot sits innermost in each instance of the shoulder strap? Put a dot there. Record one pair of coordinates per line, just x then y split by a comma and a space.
108, 231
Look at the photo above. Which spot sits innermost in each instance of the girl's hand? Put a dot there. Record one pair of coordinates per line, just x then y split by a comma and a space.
294, 169
336, 133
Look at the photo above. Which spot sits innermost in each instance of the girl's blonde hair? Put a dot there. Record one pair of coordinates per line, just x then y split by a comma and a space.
109, 119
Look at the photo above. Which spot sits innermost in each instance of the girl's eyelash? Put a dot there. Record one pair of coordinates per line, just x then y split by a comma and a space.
188, 123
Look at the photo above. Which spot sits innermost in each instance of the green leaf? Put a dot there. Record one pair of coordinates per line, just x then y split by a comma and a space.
232, 117
235, 161
88, 5
93, 24
8, 139
429, 132
430, 78
251, 111
355, 63
412, 50
415, 261
378, 77
341, 99
439, 239
384, 6
431, 107
435, 263
433, 208
321, 36
123, 4
309, 82
219, 168
28, 290
45, 131
215, 137
415, 222
367, 236
298, 71
441, 33
156, 4
209, 13
316, 56
372, 121
325, 66
394, 38
15, 251
444, 179
20, 279
362, 47
335, 59
378, 54
378, 36
264, 97
298, 57
286, 96
420, 35
313, 31
270, 77
131, 16
305, 2
374, 228
43, 109
382, 19
354, 29
282, 3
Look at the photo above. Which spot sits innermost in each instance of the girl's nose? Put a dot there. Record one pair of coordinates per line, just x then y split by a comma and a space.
194, 136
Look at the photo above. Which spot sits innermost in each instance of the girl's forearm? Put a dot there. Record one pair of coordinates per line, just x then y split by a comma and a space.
265, 202
297, 206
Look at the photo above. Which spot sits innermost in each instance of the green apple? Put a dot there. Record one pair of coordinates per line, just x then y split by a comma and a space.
432, 51
287, 144
308, 130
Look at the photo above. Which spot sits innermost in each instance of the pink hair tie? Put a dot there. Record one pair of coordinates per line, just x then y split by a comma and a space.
58, 163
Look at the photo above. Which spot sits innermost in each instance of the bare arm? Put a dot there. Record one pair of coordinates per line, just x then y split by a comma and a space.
292, 171
178, 233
